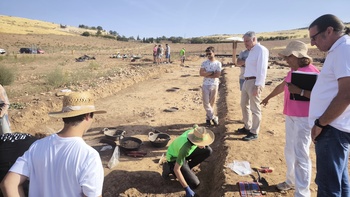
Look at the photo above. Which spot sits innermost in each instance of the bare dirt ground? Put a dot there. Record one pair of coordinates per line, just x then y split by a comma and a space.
135, 100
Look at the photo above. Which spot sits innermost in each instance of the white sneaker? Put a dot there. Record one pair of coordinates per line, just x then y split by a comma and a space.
215, 121
284, 186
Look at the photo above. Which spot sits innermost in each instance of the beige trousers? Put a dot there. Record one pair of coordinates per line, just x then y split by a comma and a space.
251, 109
209, 94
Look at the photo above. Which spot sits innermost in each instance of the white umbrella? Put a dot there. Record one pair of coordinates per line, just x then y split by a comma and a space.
234, 39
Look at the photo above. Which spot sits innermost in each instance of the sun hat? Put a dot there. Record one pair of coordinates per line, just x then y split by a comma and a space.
75, 104
296, 48
201, 136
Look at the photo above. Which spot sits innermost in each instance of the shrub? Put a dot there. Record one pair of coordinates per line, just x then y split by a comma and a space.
78, 77
6, 75
93, 66
86, 33
56, 78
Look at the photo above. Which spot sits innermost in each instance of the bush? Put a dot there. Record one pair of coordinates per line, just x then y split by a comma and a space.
86, 33
93, 66
109, 36
6, 75
56, 78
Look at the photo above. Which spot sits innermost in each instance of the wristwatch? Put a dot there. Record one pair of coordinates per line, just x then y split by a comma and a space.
302, 92
317, 123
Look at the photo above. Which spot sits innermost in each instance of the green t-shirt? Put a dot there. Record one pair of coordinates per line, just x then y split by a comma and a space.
182, 52
180, 148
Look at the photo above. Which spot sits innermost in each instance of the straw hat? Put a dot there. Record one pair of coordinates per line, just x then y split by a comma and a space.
297, 48
75, 104
201, 136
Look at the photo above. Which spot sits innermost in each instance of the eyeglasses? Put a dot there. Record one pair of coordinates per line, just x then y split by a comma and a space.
208, 53
313, 38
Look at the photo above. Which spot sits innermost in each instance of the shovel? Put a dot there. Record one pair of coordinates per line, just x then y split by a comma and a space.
261, 180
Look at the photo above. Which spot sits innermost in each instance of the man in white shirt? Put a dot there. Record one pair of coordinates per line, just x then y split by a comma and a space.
211, 71
61, 164
254, 75
329, 112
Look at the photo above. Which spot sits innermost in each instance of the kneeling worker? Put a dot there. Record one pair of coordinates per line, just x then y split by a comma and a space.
185, 152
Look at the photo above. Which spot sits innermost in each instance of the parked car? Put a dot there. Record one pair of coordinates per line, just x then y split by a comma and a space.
26, 50
2, 51
40, 51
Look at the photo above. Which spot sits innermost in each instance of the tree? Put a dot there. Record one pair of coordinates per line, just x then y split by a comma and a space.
83, 26
197, 40
98, 33
114, 33
86, 33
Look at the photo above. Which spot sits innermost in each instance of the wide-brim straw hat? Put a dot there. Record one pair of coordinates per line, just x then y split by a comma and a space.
201, 136
296, 48
75, 104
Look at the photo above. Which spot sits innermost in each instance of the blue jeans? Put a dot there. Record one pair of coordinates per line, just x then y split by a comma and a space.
241, 81
332, 154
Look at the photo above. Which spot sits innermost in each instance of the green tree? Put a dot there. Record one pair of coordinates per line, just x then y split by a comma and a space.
98, 33
86, 33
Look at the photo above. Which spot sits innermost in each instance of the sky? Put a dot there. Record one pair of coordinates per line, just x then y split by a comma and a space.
188, 18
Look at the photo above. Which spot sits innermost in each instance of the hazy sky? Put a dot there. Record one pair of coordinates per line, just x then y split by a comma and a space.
188, 18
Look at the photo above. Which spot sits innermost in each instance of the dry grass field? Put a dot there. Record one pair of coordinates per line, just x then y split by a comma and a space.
135, 96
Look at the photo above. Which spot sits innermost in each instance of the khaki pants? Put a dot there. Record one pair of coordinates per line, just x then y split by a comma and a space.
209, 94
250, 105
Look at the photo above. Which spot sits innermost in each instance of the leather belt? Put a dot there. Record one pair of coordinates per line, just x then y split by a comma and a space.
247, 78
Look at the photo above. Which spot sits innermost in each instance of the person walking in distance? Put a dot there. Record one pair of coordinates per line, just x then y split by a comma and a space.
182, 56
155, 48
254, 75
211, 71
329, 114
167, 53
160, 51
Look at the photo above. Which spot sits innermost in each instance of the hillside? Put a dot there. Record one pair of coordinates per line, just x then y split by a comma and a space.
17, 25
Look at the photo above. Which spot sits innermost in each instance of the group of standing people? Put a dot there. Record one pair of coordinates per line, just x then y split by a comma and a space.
323, 118
159, 52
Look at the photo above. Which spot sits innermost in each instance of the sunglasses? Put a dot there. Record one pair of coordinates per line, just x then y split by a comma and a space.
208, 53
313, 38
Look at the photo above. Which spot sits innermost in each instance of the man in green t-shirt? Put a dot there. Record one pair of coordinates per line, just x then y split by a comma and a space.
185, 152
182, 56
